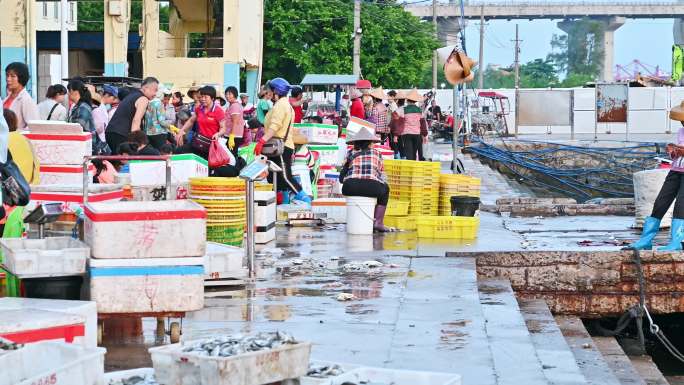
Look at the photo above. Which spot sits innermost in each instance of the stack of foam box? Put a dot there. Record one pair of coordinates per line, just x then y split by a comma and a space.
60, 148
264, 216
146, 173
28, 320
323, 139
146, 257
71, 195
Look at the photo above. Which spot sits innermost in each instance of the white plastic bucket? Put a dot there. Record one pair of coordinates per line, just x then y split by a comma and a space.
360, 215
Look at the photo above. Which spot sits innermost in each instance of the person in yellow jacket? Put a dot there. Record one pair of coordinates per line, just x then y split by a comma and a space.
22, 150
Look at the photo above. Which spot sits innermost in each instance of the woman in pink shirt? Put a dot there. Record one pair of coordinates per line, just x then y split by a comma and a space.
235, 122
672, 189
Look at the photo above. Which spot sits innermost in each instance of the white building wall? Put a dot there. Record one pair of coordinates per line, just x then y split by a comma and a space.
48, 15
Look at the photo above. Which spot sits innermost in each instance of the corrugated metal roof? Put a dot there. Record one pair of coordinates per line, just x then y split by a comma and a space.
322, 80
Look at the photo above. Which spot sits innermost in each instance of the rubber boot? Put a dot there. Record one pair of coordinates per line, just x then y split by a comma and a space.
379, 224
302, 197
677, 231
645, 242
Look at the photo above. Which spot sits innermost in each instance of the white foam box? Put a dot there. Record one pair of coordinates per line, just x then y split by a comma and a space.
328, 154
155, 193
33, 325
334, 208
161, 229
220, 259
318, 133
173, 366
85, 310
265, 213
367, 375
53, 363
61, 149
64, 174
148, 285
153, 173
71, 195
355, 124
54, 127
49, 257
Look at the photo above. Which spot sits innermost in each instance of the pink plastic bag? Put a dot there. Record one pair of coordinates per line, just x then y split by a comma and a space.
218, 156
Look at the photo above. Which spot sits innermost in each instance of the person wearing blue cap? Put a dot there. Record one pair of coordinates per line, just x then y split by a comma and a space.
101, 113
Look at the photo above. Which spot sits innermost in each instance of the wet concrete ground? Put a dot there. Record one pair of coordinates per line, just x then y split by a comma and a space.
418, 311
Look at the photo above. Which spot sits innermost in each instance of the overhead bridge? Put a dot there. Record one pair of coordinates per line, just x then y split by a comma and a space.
613, 14
550, 10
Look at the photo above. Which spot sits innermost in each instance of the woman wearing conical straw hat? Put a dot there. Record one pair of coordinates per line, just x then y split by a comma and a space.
672, 190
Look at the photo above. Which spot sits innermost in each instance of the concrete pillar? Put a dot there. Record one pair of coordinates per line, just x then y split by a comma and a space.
17, 23
117, 17
611, 25
447, 30
252, 84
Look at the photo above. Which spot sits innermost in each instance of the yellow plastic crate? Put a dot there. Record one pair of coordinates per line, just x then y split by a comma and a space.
397, 207
401, 222
446, 227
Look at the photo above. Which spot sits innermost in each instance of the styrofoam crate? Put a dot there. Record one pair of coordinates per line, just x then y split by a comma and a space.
161, 229
49, 257
369, 375
156, 193
328, 154
319, 133
173, 366
153, 173
147, 289
334, 208
64, 174
53, 363
71, 195
221, 258
265, 235
54, 127
33, 325
85, 309
61, 149
264, 208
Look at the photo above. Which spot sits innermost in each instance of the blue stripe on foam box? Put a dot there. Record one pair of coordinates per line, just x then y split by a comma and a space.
139, 271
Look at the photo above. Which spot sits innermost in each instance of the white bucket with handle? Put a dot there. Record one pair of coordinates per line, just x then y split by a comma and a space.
360, 215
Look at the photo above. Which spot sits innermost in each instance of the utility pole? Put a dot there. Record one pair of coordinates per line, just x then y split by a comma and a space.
64, 43
517, 78
480, 69
357, 38
517, 57
434, 53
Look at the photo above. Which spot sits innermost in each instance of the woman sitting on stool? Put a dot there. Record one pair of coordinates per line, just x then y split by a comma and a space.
672, 188
363, 175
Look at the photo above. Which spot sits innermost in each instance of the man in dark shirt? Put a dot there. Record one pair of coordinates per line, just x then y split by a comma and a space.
128, 117
143, 147
435, 111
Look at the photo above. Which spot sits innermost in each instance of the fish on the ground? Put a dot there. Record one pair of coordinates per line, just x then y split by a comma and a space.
228, 346
323, 371
136, 380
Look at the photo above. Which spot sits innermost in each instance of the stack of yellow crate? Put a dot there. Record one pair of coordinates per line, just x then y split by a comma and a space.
224, 199
414, 182
397, 216
456, 185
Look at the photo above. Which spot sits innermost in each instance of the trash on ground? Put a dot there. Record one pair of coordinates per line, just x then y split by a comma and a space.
345, 297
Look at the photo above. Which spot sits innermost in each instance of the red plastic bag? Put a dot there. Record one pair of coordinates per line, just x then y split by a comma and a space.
218, 155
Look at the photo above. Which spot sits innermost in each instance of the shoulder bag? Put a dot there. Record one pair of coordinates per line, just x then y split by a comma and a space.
276, 146
15, 189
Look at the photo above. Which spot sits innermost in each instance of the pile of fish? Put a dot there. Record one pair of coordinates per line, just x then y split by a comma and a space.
136, 380
9, 345
228, 346
324, 371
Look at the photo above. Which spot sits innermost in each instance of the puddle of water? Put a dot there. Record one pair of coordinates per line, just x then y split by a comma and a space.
452, 337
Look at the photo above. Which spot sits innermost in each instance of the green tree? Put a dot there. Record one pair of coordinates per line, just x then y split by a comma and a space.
580, 51
537, 73
91, 15
305, 36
